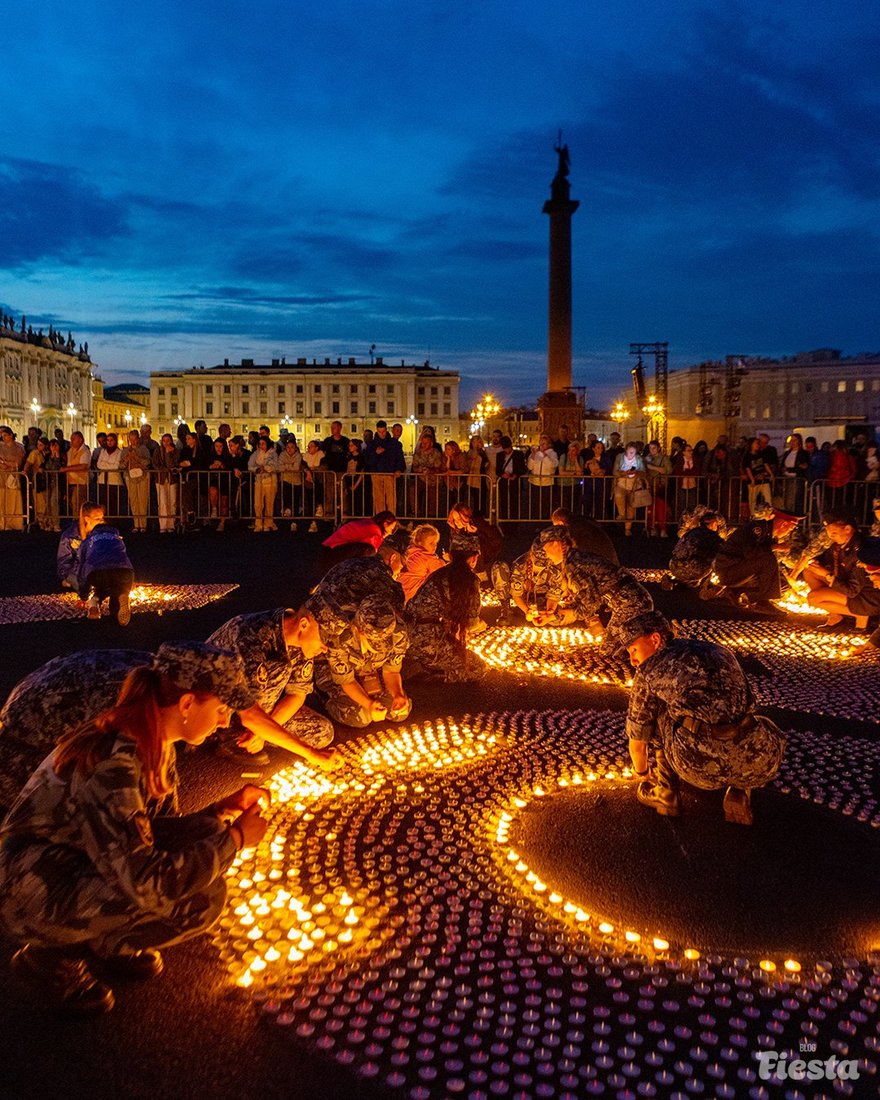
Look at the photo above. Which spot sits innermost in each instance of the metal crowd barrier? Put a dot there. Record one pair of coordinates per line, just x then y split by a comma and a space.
416, 497
184, 499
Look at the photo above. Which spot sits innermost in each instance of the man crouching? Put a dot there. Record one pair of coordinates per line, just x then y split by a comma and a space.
693, 701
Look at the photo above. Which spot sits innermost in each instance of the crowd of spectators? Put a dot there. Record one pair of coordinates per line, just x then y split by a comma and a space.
192, 479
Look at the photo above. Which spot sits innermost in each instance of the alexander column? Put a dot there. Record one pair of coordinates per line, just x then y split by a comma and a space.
559, 405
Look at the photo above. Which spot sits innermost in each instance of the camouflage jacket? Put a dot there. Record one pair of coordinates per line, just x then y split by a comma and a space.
337, 596
108, 817
695, 551
687, 678
271, 666
593, 582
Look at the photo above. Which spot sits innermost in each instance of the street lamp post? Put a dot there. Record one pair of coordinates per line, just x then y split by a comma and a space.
36, 407
653, 411
620, 414
71, 411
413, 423
127, 419
483, 412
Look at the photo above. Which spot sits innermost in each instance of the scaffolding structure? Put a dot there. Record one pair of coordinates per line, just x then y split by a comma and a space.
660, 352
734, 369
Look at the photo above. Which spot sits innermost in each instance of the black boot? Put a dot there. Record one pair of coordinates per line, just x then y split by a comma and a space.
62, 980
661, 792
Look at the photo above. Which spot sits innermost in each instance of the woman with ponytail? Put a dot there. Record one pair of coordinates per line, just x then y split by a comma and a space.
439, 617
97, 867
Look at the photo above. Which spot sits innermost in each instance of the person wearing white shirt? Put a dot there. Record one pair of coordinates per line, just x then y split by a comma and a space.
543, 463
79, 461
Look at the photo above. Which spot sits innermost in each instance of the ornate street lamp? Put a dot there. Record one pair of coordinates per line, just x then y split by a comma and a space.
36, 407
413, 423
620, 414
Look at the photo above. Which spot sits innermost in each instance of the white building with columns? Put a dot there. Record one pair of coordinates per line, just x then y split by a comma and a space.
44, 382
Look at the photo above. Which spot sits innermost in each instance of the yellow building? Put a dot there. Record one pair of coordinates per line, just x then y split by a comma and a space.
119, 408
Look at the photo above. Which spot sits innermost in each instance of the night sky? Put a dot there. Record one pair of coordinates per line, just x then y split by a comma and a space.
182, 183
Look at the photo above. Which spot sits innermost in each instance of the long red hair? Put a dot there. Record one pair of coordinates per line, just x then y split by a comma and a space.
136, 715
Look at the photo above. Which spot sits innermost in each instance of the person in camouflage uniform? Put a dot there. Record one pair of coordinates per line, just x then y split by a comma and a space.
438, 619
97, 867
72, 689
360, 676
58, 696
278, 648
691, 700
336, 597
595, 585
535, 582
693, 557
746, 563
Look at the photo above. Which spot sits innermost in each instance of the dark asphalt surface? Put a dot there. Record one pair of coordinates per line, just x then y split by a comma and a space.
187, 1033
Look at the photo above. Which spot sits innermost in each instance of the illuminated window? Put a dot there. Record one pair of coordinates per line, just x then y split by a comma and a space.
860, 385
841, 386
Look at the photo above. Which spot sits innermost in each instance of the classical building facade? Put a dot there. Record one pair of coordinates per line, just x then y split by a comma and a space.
306, 396
45, 381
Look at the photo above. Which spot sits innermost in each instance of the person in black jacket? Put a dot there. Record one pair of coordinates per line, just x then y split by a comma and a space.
746, 563
510, 467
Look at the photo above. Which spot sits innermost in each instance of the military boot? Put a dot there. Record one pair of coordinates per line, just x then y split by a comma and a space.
62, 980
661, 791
738, 806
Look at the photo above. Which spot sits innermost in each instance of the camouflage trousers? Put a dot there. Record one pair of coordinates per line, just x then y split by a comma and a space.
311, 727
18, 760
432, 651
343, 709
51, 895
750, 759
690, 571
306, 724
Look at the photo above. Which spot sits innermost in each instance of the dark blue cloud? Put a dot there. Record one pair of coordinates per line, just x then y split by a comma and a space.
51, 212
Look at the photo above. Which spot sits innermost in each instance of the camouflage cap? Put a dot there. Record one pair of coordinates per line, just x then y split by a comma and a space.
374, 616
330, 617
647, 622
200, 666
556, 533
